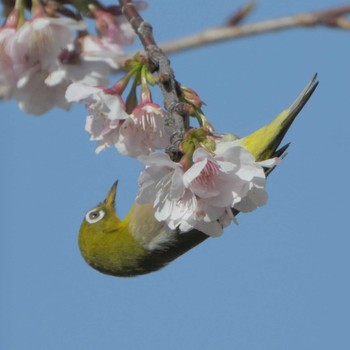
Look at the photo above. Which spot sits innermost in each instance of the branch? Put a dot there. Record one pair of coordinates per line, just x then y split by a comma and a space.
159, 62
333, 17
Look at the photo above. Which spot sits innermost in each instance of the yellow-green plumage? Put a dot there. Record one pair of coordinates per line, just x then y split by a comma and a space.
264, 142
139, 244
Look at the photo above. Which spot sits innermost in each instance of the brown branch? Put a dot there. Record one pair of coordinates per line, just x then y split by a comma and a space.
333, 17
159, 63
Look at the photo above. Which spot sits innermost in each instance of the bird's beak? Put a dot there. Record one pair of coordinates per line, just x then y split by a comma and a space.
110, 199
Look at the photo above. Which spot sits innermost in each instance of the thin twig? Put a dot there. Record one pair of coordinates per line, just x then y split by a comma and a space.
159, 63
238, 16
333, 17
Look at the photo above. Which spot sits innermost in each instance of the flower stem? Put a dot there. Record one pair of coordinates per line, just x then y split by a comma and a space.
158, 62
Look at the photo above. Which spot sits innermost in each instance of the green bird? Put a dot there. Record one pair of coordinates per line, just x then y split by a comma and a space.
139, 244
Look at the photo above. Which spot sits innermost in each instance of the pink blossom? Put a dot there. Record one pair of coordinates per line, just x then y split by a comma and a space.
31, 55
109, 124
7, 75
106, 113
144, 131
39, 60
26, 57
115, 29
39, 42
202, 197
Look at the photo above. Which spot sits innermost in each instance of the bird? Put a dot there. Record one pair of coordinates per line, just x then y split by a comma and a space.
140, 244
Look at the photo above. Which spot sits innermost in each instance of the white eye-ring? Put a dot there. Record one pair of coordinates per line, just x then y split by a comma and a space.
94, 215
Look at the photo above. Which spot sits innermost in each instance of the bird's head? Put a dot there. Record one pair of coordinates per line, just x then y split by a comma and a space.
103, 217
106, 242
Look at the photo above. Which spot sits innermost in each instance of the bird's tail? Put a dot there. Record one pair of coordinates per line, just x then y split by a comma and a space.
264, 143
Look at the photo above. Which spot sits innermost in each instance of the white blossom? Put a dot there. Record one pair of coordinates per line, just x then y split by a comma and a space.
32, 54
8, 76
106, 113
41, 58
135, 134
144, 131
202, 197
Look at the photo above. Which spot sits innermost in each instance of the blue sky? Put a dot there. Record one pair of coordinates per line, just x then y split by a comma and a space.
279, 280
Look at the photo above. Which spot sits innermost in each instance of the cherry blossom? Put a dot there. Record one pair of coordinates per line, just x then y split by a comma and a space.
135, 134
7, 74
115, 29
203, 195
31, 53
106, 113
144, 131
41, 58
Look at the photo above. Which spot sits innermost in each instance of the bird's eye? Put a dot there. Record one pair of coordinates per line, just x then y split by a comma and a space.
94, 216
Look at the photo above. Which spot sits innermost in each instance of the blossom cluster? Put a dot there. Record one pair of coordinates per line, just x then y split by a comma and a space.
53, 61
42, 56
140, 132
204, 195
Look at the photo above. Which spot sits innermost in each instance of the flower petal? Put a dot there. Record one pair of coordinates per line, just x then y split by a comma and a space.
77, 92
